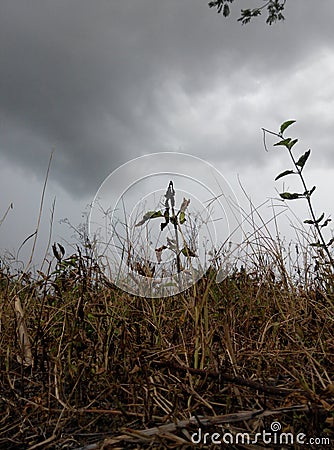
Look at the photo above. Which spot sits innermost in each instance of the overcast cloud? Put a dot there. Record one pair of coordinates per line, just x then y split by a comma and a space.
106, 81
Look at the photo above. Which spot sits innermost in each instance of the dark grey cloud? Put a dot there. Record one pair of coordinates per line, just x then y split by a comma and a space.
106, 81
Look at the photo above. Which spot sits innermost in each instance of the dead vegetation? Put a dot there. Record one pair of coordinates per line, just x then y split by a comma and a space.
85, 365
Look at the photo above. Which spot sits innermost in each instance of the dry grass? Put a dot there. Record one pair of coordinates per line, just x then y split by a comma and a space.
112, 370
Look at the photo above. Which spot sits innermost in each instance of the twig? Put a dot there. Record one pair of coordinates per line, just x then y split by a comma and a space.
229, 378
166, 430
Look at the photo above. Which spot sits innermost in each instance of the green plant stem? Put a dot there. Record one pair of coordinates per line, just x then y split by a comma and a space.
307, 196
178, 263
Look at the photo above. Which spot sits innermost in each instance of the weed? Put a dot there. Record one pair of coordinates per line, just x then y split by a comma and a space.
319, 223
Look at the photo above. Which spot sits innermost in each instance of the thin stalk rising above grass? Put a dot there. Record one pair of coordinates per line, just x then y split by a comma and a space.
298, 166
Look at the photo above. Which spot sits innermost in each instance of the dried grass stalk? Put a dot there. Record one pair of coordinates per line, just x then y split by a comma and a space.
25, 355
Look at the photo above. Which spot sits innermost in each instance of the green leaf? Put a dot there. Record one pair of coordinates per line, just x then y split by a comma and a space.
289, 196
163, 225
182, 217
330, 242
285, 125
326, 223
320, 218
313, 222
309, 193
302, 160
282, 174
226, 10
149, 215
285, 142
187, 252
154, 214
292, 143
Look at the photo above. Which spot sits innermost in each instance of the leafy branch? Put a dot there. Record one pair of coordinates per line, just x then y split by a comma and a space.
298, 165
274, 8
175, 219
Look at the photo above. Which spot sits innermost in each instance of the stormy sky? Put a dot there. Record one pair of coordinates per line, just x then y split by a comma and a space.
102, 82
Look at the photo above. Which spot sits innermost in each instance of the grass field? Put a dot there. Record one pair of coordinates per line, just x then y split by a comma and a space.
86, 365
